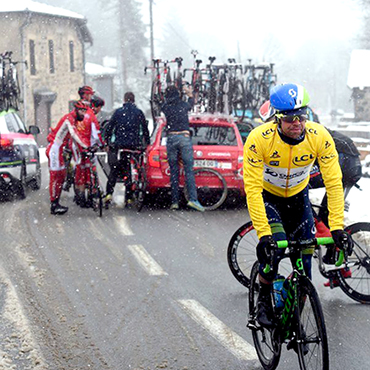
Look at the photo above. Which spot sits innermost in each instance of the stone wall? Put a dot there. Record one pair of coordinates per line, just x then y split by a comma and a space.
361, 100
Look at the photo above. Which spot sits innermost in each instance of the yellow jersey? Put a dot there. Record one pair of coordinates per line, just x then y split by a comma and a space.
284, 170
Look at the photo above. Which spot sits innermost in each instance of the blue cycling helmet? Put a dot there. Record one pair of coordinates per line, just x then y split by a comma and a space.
289, 99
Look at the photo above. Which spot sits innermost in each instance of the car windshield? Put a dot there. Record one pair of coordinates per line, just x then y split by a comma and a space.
213, 135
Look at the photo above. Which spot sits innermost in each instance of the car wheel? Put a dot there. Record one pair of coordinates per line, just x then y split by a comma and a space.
21, 184
35, 183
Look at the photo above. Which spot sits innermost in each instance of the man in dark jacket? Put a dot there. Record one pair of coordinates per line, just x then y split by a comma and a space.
127, 129
179, 144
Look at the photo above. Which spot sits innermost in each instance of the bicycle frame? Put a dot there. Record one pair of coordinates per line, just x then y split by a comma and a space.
295, 255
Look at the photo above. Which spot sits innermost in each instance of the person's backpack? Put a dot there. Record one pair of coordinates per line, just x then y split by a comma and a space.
344, 144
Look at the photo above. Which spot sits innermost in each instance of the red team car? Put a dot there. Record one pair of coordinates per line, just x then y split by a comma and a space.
218, 159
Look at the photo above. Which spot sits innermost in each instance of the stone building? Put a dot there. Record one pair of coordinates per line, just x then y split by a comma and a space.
359, 82
52, 41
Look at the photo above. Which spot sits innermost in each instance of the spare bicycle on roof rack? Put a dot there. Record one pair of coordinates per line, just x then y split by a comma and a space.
9, 84
228, 88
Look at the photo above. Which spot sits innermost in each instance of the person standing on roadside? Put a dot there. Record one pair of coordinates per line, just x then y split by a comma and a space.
58, 139
179, 144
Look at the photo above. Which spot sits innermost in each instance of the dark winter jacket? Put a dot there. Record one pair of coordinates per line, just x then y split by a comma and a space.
176, 112
127, 128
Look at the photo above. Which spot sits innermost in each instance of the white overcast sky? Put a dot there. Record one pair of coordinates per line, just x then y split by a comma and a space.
250, 21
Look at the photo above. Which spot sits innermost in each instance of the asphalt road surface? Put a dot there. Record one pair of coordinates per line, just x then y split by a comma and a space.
149, 290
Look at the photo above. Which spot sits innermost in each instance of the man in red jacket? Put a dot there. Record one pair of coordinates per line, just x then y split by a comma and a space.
58, 139
89, 132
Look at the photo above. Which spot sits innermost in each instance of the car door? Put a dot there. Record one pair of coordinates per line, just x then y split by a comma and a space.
30, 149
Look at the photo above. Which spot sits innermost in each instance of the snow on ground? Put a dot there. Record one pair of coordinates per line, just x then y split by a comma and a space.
359, 202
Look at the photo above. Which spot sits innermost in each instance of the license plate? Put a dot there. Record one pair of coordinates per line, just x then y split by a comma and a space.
205, 163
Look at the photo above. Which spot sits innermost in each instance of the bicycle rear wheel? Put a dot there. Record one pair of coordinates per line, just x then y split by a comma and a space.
211, 188
312, 343
267, 345
139, 190
357, 286
97, 201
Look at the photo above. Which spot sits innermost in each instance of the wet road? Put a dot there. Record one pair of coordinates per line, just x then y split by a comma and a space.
138, 291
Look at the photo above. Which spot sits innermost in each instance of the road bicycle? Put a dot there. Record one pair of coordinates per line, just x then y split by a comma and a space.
251, 86
210, 92
177, 76
300, 322
161, 81
137, 181
94, 190
266, 80
196, 82
9, 83
241, 254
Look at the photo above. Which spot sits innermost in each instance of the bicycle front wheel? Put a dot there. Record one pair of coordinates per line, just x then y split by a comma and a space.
156, 99
266, 341
241, 254
211, 188
312, 342
356, 283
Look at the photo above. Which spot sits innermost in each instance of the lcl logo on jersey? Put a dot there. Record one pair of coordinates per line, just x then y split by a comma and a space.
312, 131
301, 161
327, 144
275, 154
253, 148
266, 133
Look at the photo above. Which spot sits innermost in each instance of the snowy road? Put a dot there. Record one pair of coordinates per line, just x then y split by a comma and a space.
138, 291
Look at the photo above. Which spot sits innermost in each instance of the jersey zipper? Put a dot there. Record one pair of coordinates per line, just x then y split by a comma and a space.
289, 164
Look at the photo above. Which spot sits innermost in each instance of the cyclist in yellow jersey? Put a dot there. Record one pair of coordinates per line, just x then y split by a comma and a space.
278, 157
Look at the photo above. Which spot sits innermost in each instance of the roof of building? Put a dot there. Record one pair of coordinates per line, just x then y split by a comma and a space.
97, 70
359, 71
40, 8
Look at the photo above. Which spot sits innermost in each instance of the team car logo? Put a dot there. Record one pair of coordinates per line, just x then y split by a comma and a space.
275, 154
253, 148
303, 159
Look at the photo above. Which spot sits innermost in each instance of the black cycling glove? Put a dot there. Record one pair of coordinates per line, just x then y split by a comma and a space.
264, 249
343, 240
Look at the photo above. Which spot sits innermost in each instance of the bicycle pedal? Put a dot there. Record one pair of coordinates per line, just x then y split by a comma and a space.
252, 325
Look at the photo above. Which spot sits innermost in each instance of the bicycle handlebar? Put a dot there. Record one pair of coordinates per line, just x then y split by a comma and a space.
307, 243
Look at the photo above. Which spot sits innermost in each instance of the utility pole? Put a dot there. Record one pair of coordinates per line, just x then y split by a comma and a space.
151, 30
122, 38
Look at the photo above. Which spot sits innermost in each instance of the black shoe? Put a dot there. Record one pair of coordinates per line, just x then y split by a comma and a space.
57, 209
265, 314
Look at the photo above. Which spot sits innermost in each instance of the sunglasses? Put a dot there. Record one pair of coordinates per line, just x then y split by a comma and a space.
291, 119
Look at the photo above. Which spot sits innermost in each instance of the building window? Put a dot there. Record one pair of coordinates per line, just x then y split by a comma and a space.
32, 57
71, 57
51, 56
